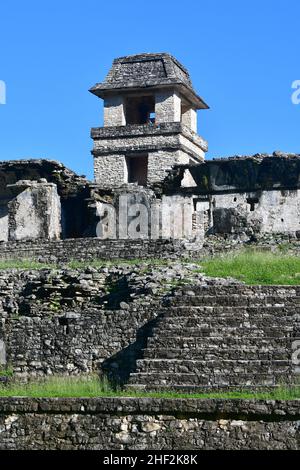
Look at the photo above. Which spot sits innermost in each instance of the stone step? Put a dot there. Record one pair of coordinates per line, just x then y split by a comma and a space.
234, 300
203, 311
211, 352
189, 389
239, 379
242, 289
218, 366
220, 329
188, 342
227, 321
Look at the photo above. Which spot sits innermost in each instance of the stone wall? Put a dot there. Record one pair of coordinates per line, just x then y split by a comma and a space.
162, 161
110, 170
148, 423
241, 174
55, 182
74, 321
86, 249
242, 195
90, 249
109, 140
254, 212
166, 145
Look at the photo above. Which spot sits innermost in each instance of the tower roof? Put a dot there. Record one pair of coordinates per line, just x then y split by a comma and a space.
139, 71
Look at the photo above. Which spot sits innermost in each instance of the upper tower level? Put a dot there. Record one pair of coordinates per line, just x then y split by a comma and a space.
150, 120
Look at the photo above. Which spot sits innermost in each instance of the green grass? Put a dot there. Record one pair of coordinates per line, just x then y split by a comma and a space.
254, 267
91, 386
7, 372
56, 386
24, 264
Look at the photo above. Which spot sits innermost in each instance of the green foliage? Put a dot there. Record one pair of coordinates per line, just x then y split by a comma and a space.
58, 386
7, 372
254, 267
23, 264
55, 305
91, 386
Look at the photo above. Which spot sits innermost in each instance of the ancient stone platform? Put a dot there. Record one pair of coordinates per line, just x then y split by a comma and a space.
148, 423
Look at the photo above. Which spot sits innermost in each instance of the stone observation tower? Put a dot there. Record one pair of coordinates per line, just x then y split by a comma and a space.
150, 121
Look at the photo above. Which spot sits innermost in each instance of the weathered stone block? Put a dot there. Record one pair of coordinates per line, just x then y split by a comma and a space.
35, 212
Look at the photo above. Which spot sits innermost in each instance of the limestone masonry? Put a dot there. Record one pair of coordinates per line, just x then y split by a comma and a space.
148, 327
148, 153
148, 423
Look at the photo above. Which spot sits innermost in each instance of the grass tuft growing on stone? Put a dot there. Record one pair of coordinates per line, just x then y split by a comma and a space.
254, 267
91, 386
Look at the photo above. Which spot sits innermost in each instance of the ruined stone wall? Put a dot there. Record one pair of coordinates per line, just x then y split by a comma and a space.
105, 342
250, 195
90, 249
74, 321
86, 249
275, 211
35, 213
148, 423
43, 217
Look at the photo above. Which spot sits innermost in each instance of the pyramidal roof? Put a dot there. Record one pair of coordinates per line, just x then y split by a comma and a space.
160, 70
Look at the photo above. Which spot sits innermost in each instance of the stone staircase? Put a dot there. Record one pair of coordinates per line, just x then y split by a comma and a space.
222, 337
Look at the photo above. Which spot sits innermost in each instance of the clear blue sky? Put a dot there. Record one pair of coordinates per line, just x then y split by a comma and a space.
242, 55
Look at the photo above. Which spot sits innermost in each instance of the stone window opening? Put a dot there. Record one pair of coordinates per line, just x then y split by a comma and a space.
252, 201
140, 110
152, 118
137, 169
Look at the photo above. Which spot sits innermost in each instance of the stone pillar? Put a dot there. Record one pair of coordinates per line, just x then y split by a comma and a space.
3, 221
35, 212
114, 114
189, 119
2, 353
110, 170
167, 107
